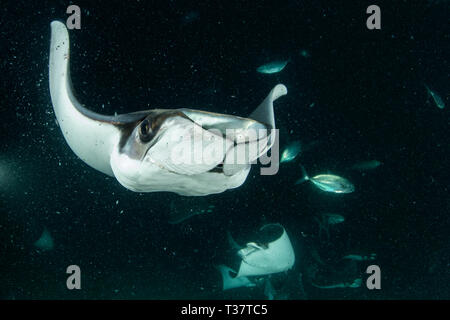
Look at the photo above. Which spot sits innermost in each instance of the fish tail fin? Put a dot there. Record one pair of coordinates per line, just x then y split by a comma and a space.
304, 176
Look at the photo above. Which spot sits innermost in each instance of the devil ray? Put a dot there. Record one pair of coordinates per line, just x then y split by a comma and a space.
144, 150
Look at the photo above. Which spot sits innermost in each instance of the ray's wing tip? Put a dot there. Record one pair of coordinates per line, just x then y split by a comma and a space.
59, 33
278, 91
56, 24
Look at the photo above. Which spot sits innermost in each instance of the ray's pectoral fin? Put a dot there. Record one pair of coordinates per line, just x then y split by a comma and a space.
264, 113
256, 139
91, 136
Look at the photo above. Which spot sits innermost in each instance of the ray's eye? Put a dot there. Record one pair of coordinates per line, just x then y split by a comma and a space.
145, 131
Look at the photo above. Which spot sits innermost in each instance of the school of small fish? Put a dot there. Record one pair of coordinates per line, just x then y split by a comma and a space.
325, 182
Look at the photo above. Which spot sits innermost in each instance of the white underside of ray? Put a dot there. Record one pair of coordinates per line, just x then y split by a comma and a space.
146, 176
279, 256
91, 140
157, 172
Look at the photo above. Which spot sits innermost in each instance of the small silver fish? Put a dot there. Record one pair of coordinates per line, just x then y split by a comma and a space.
45, 242
437, 99
183, 210
357, 257
305, 54
291, 151
326, 220
355, 284
328, 182
272, 67
366, 165
333, 218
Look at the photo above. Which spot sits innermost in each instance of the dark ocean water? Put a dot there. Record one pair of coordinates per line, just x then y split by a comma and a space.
369, 102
